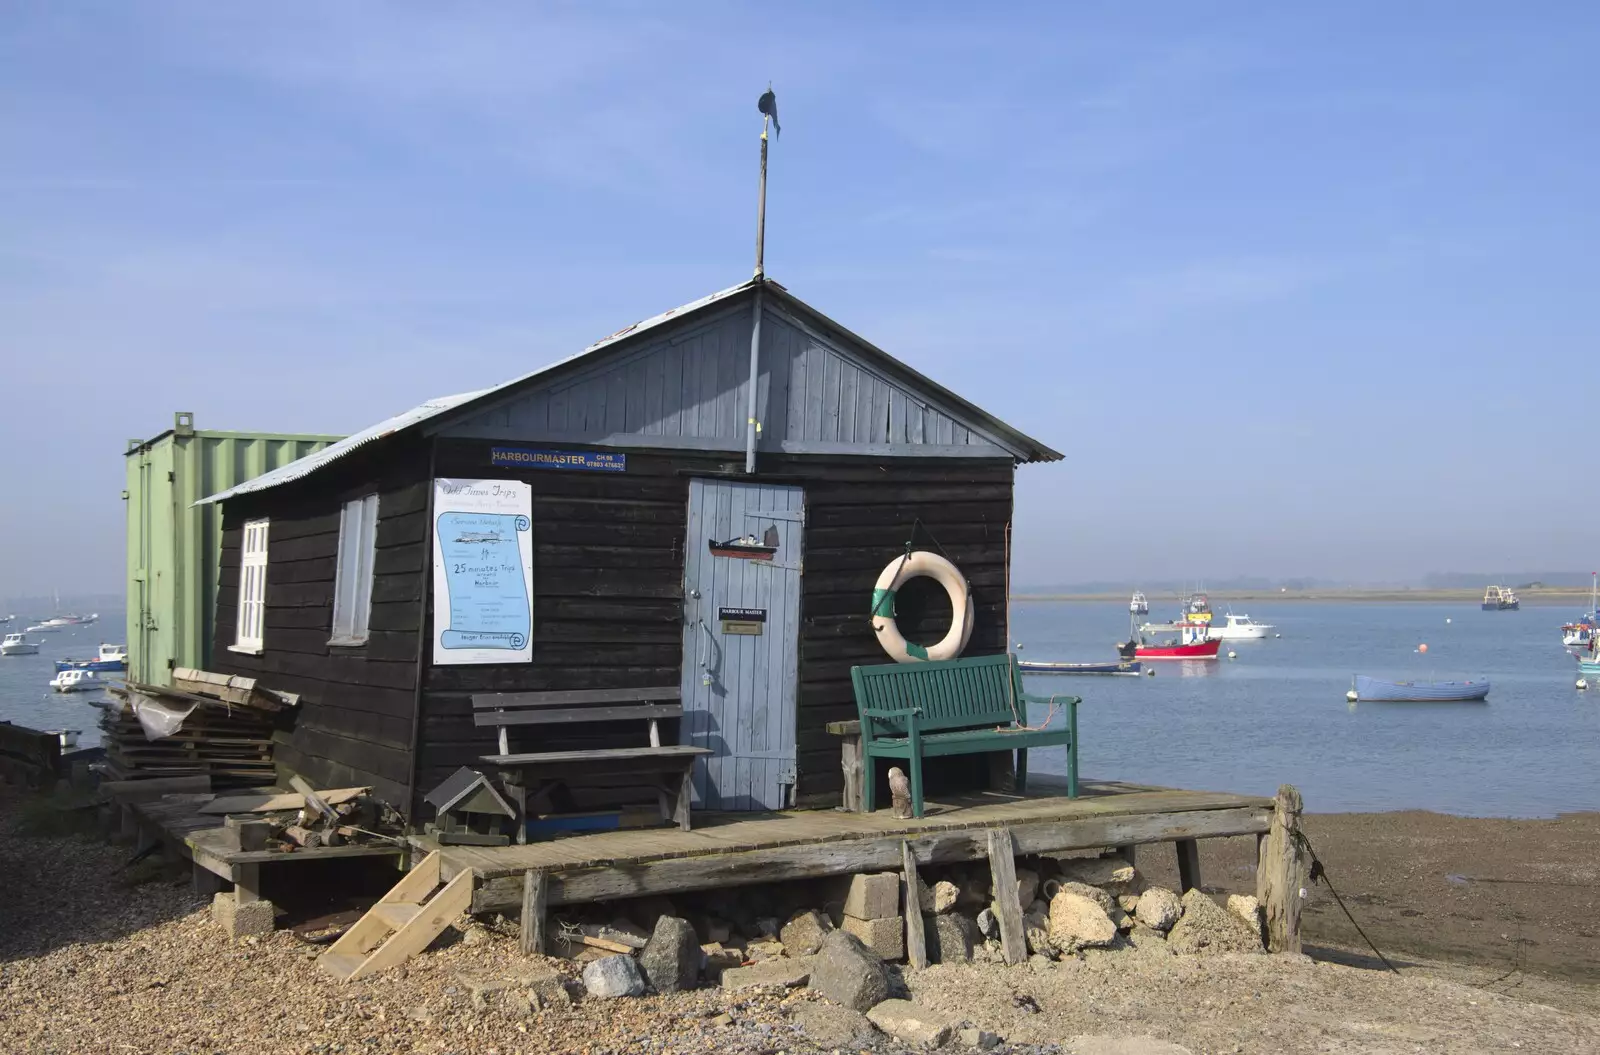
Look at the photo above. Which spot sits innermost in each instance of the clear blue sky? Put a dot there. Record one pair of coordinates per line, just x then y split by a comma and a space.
1300, 289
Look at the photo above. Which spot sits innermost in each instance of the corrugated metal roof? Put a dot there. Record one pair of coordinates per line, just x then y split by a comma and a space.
304, 467
433, 408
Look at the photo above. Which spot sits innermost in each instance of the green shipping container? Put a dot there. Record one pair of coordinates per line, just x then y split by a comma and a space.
174, 547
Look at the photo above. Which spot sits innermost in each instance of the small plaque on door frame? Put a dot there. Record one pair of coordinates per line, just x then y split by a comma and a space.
748, 622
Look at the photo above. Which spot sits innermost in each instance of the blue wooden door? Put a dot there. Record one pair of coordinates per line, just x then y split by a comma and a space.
741, 654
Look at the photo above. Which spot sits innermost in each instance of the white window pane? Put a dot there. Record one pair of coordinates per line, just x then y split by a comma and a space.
353, 577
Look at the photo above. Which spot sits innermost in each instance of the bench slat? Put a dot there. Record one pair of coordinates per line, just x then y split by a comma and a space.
563, 715
574, 697
674, 751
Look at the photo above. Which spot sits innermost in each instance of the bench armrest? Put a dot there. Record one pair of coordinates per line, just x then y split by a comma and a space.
1029, 697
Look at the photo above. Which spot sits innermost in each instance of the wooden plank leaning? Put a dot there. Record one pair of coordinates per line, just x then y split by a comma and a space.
535, 895
916, 940
1007, 903
1282, 872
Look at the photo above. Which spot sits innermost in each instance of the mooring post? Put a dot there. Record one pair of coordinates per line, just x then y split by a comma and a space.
1282, 873
1188, 864
535, 895
916, 940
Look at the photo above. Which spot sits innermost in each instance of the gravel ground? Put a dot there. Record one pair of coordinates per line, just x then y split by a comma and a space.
95, 958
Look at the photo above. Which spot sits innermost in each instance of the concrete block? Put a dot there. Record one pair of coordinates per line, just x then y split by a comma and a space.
885, 936
252, 917
873, 896
769, 972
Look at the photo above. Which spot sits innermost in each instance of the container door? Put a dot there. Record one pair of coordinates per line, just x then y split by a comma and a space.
741, 641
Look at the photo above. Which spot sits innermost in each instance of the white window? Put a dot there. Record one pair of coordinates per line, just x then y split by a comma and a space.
352, 591
252, 587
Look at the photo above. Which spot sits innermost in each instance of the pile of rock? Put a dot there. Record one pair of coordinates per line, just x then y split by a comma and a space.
766, 938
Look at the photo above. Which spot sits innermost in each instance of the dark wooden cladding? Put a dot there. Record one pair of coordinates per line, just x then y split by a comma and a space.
609, 554
353, 725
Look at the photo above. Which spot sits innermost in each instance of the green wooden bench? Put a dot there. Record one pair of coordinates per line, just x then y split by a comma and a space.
913, 711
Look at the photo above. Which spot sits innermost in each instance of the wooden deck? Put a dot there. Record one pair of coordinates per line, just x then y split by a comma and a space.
733, 849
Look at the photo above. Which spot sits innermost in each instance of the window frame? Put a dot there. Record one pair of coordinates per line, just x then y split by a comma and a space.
251, 607
352, 586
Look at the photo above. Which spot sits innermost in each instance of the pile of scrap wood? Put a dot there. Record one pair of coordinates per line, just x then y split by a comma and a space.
203, 724
304, 818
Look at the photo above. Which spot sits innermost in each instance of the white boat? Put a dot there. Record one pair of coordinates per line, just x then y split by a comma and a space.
18, 645
75, 681
1138, 605
1240, 628
43, 628
1580, 633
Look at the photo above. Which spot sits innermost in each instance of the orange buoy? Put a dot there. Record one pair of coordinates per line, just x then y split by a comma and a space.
1422, 648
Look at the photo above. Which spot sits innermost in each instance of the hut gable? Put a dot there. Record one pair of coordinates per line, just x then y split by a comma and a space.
684, 383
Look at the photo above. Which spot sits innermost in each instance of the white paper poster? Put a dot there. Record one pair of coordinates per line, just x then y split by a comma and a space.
482, 571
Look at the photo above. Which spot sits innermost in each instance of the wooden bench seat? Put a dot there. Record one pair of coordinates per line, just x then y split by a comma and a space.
530, 776
947, 707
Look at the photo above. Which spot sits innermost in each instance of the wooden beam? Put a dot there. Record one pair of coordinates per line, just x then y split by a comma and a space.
576, 884
534, 894
1007, 906
1282, 872
1188, 865
916, 940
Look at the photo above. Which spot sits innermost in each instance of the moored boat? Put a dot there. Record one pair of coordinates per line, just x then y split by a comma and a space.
1138, 605
1240, 628
18, 645
1500, 599
75, 681
1376, 690
1031, 666
1194, 641
1582, 631
109, 658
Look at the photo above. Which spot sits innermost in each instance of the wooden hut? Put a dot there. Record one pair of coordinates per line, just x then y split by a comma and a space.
620, 472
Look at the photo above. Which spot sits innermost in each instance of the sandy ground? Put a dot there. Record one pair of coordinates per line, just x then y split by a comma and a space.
96, 957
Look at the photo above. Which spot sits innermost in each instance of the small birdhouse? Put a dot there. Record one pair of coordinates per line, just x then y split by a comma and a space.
469, 810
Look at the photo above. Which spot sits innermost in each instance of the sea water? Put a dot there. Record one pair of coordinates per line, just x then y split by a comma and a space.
1276, 714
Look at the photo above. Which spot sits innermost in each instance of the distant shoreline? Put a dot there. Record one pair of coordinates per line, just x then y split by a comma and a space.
1548, 597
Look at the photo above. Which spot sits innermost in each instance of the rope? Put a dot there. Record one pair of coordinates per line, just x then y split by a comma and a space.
1319, 872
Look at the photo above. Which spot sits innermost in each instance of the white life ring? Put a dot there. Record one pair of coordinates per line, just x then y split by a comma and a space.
947, 575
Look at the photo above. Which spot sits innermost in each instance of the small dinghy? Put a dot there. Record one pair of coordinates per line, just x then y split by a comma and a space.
1033, 666
1374, 690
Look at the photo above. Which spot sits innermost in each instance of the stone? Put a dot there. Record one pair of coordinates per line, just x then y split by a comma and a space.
848, 973
530, 980
981, 1039
988, 925
1099, 1044
1027, 885
613, 976
1107, 903
785, 972
1036, 932
1112, 873
941, 897
831, 1026
1078, 921
475, 935
719, 958
1207, 927
1159, 908
804, 932
873, 896
1128, 903
950, 937
910, 1023
671, 957
252, 917
757, 951
723, 1019
1246, 907
886, 936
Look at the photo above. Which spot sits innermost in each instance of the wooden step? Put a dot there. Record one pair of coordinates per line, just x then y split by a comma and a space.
396, 913
340, 965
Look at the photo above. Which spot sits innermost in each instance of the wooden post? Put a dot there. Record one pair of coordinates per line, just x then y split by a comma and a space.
916, 940
246, 883
1007, 906
1188, 864
534, 897
850, 763
1282, 873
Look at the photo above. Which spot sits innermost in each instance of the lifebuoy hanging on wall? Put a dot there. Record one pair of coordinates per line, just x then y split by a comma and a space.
947, 575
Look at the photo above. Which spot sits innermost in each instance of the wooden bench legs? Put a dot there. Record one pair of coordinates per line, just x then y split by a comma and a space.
674, 790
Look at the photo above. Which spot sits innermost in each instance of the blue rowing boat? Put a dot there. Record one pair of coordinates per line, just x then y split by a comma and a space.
1370, 690
1030, 666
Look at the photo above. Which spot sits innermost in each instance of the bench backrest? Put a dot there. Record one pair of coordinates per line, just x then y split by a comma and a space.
951, 693
584, 705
